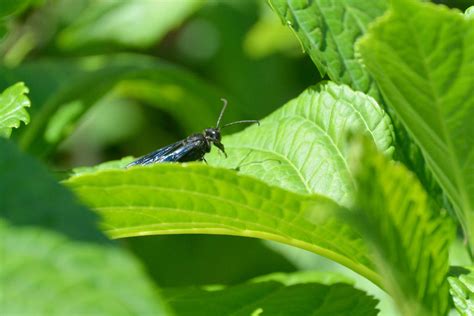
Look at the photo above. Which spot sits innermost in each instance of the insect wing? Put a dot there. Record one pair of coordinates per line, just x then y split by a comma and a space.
189, 147
158, 155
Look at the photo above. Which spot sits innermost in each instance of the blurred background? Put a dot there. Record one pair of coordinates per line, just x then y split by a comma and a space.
113, 78
163, 67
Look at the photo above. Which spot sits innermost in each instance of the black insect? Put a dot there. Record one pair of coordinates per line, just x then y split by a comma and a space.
193, 147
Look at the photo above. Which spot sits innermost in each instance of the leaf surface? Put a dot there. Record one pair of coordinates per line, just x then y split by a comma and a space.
411, 238
80, 278
328, 30
13, 102
197, 199
302, 146
51, 242
32, 197
462, 291
422, 57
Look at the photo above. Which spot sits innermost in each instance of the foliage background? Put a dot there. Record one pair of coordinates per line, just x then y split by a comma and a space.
109, 79
211, 42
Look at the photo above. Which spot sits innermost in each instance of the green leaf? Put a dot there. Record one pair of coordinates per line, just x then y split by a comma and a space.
63, 90
469, 13
462, 291
13, 101
322, 270
198, 199
301, 147
328, 31
79, 278
132, 23
51, 242
310, 276
273, 298
113, 164
30, 196
410, 238
421, 56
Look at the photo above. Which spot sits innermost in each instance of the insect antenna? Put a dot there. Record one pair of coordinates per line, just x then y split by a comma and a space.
243, 121
233, 123
222, 112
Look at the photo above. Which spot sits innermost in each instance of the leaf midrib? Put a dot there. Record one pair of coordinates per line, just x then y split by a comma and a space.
208, 196
339, 257
298, 243
306, 186
8, 115
437, 102
339, 154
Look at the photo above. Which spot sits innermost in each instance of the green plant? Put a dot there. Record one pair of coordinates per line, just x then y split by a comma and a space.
372, 167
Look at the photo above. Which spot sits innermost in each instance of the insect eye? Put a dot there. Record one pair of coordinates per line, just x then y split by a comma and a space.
216, 135
213, 134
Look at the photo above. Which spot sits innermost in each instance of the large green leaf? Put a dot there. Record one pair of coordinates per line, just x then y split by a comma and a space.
32, 197
411, 238
44, 273
195, 199
63, 90
328, 30
462, 290
12, 108
422, 57
302, 146
53, 254
273, 298
135, 23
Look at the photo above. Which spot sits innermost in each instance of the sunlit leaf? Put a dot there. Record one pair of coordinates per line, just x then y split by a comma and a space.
462, 290
13, 102
302, 146
194, 198
422, 57
469, 12
114, 164
315, 125
310, 276
328, 31
411, 237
